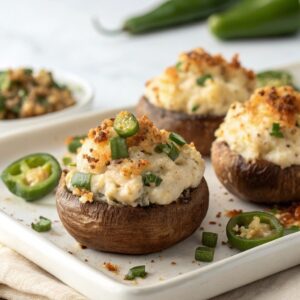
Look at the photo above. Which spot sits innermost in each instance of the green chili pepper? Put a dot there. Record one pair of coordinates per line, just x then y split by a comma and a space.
126, 124
274, 78
209, 239
81, 180
204, 254
176, 138
75, 143
291, 229
244, 219
169, 13
33, 176
257, 18
138, 271
42, 225
118, 148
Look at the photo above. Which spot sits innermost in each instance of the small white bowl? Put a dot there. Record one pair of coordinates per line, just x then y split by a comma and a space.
82, 92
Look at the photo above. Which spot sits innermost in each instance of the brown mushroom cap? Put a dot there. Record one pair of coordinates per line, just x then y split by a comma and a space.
132, 230
194, 128
260, 181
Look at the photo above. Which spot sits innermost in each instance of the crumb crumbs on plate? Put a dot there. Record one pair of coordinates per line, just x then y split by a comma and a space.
111, 267
233, 212
152, 261
70, 252
212, 222
219, 214
173, 263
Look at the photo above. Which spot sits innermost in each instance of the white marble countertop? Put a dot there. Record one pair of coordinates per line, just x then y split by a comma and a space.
58, 34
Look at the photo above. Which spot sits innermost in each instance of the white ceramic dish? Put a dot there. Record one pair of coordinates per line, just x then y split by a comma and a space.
81, 90
173, 273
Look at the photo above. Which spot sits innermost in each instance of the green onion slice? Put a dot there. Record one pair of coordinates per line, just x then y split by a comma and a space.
209, 239
201, 80
81, 180
126, 124
170, 149
138, 271
67, 161
118, 148
195, 108
276, 131
150, 179
204, 254
176, 138
42, 225
75, 143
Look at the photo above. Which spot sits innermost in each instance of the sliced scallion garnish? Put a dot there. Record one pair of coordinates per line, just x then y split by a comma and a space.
176, 138
118, 148
276, 131
204, 254
209, 239
126, 124
81, 180
201, 80
150, 179
138, 271
42, 225
170, 149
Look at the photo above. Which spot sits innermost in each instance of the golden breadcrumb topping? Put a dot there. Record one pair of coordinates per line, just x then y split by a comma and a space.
201, 83
265, 127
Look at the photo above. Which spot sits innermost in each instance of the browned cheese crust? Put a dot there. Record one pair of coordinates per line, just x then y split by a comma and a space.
194, 128
259, 181
132, 230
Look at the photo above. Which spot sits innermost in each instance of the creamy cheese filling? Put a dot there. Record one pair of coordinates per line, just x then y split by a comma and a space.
121, 181
201, 84
248, 130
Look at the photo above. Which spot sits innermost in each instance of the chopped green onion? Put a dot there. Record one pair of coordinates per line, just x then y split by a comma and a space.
276, 132
118, 148
201, 80
195, 108
176, 138
204, 254
170, 149
209, 239
75, 143
81, 180
126, 124
67, 161
290, 230
150, 179
178, 65
28, 71
42, 225
138, 271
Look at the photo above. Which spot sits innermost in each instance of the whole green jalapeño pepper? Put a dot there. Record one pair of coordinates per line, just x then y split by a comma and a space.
33, 176
244, 219
170, 13
257, 18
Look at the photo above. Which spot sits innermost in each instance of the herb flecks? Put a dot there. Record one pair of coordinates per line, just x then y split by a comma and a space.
202, 79
276, 131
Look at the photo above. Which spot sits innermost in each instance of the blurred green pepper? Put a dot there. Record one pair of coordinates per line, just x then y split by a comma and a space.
257, 18
170, 13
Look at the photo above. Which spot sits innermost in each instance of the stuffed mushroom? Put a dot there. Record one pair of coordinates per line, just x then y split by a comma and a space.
257, 151
193, 96
135, 189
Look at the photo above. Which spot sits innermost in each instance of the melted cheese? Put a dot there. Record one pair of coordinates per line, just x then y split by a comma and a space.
121, 181
177, 88
247, 127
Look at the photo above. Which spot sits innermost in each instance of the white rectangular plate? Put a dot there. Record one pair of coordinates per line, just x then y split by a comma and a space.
173, 273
